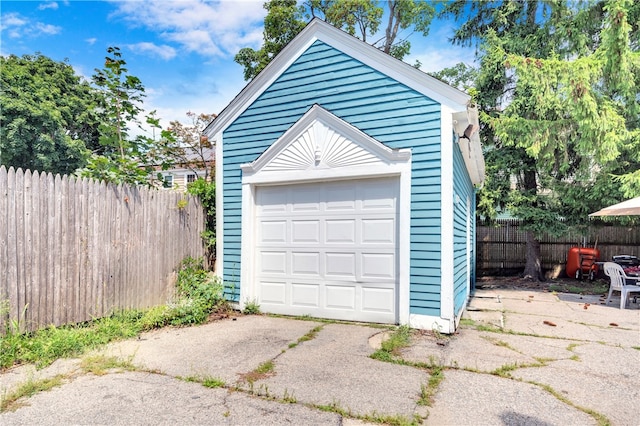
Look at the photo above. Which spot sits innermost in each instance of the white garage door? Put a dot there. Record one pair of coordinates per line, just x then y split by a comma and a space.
328, 249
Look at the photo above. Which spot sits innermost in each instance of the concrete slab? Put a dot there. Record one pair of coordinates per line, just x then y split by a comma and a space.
335, 369
222, 350
489, 351
601, 377
466, 398
151, 399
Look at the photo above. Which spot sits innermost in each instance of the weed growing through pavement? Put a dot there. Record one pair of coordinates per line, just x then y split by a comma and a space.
263, 371
9, 402
390, 348
288, 397
212, 382
100, 364
252, 307
600, 418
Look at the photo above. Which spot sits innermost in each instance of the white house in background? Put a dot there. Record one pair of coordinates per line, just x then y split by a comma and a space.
181, 175
346, 187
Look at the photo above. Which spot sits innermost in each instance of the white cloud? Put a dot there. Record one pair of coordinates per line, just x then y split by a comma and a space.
91, 41
165, 52
210, 28
47, 28
17, 26
436, 58
48, 5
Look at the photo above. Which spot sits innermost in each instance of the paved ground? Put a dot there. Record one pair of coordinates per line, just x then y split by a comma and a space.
520, 358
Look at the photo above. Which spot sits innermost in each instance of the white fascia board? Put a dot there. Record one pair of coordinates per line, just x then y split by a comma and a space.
352, 46
219, 263
446, 215
247, 283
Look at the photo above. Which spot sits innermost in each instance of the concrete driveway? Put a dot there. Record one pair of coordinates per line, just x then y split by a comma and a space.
521, 357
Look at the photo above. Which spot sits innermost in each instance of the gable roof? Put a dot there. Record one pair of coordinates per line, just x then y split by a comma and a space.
456, 100
318, 29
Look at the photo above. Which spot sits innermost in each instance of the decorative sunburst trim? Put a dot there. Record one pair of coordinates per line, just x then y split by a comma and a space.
320, 141
320, 147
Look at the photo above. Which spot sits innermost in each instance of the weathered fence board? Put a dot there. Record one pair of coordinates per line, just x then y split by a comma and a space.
502, 247
73, 249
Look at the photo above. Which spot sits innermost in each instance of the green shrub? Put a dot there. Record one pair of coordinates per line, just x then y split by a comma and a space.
206, 191
198, 293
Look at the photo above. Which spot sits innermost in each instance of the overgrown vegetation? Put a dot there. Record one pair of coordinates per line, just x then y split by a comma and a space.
198, 294
9, 401
251, 308
206, 191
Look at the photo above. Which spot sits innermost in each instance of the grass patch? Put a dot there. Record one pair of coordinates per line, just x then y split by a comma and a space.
428, 392
263, 371
206, 381
467, 322
100, 364
395, 420
390, 348
311, 334
598, 286
198, 294
9, 402
212, 382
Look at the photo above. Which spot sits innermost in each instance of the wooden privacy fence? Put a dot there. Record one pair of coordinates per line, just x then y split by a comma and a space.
502, 247
76, 249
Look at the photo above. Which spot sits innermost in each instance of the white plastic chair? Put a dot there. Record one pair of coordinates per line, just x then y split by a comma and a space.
619, 282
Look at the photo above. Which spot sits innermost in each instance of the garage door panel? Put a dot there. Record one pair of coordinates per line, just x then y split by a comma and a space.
271, 200
378, 265
375, 299
340, 231
340, 297
341, 265
305, 263
303, 294
272, 231
273, 262
341, 198
304, 200
305, 231
378, 231
273, 293
377, 197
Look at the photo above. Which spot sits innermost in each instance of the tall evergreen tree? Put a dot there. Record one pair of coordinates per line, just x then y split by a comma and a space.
557, 113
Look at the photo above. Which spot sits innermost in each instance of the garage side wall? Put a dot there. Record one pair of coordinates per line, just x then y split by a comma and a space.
386, 110
463, 230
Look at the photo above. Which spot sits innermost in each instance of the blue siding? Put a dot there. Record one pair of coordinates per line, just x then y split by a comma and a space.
374, 103
463, 190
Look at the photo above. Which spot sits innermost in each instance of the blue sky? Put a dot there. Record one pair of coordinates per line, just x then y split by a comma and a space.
182, 50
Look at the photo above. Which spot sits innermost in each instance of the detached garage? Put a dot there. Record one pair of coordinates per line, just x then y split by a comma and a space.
345, 187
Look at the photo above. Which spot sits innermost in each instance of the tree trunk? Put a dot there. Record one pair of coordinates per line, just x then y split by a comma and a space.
533, 265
